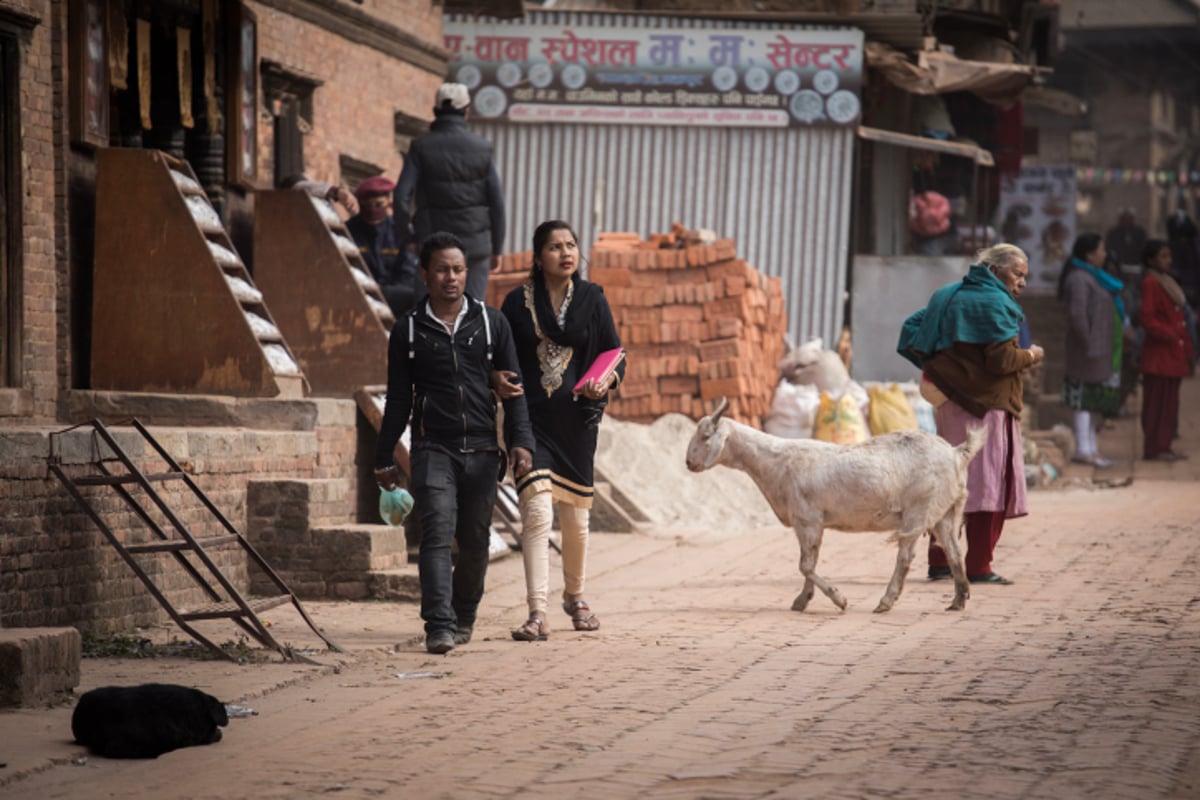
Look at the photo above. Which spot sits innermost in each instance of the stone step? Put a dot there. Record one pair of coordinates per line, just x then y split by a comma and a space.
608, 514
301, 503
612, 509
38, 663
632, 509
334, 561
399, 583
360, 547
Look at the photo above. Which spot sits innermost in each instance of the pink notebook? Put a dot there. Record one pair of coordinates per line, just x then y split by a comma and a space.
605, 365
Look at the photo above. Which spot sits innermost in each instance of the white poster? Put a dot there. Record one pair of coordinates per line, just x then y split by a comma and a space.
1037, 214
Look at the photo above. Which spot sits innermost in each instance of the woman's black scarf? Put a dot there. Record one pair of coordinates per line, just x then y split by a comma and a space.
577, 331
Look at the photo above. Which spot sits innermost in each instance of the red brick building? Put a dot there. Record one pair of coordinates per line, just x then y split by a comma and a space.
240, 94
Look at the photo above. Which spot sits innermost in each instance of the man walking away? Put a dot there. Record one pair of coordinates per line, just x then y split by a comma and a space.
450, 177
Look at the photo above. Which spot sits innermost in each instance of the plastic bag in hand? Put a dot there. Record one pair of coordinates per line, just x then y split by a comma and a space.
394, 506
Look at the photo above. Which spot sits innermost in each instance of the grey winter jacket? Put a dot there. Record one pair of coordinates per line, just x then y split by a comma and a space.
1091, 315
450, 177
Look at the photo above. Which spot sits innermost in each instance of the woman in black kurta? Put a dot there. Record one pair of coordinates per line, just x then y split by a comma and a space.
560, 323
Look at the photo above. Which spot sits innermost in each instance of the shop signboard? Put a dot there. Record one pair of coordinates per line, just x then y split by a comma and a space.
682, 76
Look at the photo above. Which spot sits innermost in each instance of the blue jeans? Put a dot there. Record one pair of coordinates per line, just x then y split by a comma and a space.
454, 494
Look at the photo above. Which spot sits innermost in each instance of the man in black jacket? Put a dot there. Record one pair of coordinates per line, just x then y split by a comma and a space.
451, 175
440, 359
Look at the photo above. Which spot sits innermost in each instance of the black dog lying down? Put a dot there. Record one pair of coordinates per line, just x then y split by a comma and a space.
146, 721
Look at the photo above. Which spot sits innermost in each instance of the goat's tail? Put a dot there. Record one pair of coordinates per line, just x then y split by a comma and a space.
970, 448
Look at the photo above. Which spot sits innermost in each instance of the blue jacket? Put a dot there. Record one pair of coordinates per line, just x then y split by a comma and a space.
388, 262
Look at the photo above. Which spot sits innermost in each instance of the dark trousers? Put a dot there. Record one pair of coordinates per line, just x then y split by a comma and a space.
1160, 413
454, 494
983, 531
983, 527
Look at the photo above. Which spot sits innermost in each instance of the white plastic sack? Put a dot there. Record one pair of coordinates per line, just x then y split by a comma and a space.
793, 411
855, 389
497, 547
926, 414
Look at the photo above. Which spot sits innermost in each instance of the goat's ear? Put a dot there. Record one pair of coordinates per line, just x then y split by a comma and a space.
716, 444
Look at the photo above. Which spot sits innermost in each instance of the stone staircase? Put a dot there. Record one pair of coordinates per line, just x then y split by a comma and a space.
300, 528
612, 510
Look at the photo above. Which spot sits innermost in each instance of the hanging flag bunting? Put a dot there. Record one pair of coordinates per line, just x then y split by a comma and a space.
1153, 177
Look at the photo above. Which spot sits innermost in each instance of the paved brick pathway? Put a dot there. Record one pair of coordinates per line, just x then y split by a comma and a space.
1082, 680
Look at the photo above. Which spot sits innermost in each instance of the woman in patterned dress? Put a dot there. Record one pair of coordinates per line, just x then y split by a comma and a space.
560, 324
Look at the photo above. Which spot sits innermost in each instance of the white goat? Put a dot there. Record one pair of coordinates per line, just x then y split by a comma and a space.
910, 482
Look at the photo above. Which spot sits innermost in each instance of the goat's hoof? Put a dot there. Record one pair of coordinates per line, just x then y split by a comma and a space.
800, 603
882, 607
839, 601
958, 605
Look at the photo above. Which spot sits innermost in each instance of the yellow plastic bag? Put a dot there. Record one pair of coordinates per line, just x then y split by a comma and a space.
840, 421
890, 410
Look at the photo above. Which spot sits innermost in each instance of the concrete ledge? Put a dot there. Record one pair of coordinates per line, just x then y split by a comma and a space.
359, 548
198, 410
36, 663
16, 403
395, 584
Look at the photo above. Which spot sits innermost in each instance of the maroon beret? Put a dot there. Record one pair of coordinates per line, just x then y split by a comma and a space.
373, 186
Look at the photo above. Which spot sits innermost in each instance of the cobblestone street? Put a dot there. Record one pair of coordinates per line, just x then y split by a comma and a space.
1080, 680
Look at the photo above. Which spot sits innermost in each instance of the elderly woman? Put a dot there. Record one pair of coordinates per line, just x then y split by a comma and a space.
1166, 353
965, 342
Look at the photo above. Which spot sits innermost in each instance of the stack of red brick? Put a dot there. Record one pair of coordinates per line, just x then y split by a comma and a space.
514, 269
697, 323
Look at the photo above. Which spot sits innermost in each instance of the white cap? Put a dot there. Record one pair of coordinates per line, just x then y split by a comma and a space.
456, 93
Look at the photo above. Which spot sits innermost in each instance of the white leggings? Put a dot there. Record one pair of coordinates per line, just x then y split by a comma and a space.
537, 514
1085, 435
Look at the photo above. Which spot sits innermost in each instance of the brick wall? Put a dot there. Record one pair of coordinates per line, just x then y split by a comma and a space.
38, 69
353, 110
56, 568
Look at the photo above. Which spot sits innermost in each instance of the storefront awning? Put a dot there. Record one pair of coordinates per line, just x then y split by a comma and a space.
1055, 100
977, 154
938, 72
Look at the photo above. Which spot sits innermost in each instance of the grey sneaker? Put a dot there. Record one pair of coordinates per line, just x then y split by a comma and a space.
440, 642
463, 634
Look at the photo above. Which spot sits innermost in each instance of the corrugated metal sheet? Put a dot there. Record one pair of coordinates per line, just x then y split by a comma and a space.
782, 194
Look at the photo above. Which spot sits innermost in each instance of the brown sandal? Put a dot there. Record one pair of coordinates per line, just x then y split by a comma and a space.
581, 616
534, 630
